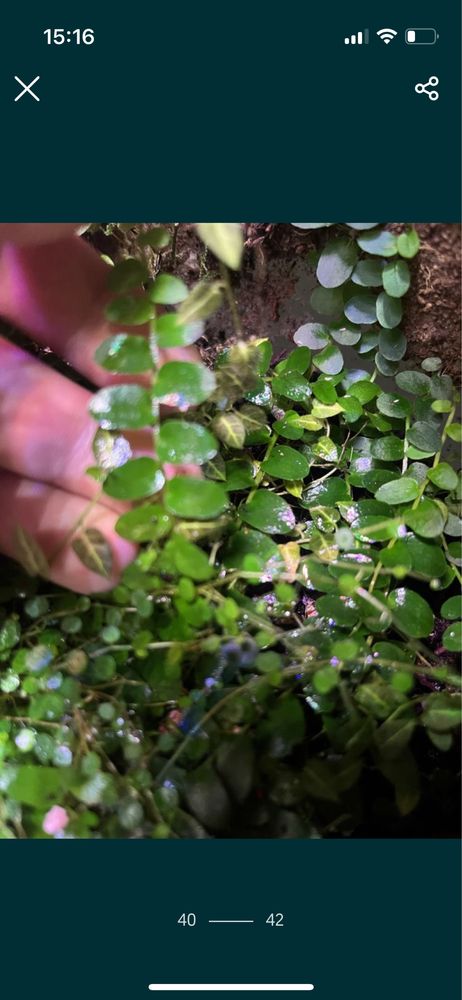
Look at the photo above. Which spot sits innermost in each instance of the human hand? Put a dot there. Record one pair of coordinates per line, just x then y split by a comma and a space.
53, 286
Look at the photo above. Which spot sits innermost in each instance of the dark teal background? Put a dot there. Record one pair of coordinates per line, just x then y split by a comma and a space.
243, 110
370, 920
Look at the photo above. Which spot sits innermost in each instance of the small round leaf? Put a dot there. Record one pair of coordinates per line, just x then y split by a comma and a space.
200, 499
181, 442
268, 512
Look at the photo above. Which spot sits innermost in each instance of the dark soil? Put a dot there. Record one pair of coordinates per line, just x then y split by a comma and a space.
433, 305
273, 288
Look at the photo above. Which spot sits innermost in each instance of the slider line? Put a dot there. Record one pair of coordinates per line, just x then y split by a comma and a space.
246, 987
231, 921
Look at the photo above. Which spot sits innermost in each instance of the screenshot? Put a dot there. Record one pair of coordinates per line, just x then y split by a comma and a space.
230, 501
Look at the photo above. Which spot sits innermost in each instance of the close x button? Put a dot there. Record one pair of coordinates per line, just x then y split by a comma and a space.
26, 88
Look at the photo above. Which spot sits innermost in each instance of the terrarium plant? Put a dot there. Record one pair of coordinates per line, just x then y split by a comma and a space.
281, 655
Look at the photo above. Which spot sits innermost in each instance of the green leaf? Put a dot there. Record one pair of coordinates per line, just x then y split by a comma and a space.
283, 728
292, 385
324, 390
230, 429
441, 386
368, 273
29, 553
336, 262
394, 406
144, 524
199, 499
452, 608
441, 406
345, 333
189, 560
452, 637
385, 367
181, 442
204, 299
443, 476
110, 450
393, 736
351, 407
396, 278
325, 449
93, 551
398, 491
329, 361
122, 406
342, 612
183, 384
125, 353
325, 680
327, 301
252, 551
10, 634
286, 463
297, 361
378, 241
389, 311
411, 612
129, 309
268, 512
313, 335
414, 382
408, 243
127, 275
442, 712
168, 290
424, 437
399, 555
404, 775
364, 391
431, 364
454, 432
325, 493
392, 344
319, 780
170, 332
388, 449
427, 559
239, 474
254, 420
361, 309
264, 353
36, 785
225, 240
138, 478
372, 479
427, 519
368, 342
157, 238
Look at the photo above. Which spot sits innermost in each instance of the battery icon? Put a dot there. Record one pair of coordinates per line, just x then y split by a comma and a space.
421, 36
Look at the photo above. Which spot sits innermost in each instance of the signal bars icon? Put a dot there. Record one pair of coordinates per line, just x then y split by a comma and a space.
361, 38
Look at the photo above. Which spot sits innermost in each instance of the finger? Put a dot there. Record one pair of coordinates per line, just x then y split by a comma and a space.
46, 431
58, 293
48, 514
26, 233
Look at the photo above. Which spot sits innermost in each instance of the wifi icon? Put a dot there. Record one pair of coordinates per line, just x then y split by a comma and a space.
387, 34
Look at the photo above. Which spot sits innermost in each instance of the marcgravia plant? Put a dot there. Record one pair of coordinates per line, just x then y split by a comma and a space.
279, 660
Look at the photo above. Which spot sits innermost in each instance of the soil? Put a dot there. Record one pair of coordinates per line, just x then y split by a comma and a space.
274, 285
